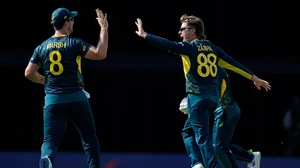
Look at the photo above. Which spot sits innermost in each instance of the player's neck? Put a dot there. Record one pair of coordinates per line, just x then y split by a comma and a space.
59, 33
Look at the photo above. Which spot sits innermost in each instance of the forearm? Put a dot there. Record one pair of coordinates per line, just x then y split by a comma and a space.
160, 42
236, 67
37, 78
103, 43
254, 78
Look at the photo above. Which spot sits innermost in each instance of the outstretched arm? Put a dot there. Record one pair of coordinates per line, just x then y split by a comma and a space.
175, 47
100, 52
229, 63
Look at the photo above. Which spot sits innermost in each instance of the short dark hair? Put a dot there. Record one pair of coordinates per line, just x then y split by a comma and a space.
196, 23
58, 25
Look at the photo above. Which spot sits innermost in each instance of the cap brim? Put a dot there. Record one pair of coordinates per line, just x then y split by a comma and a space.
74, 13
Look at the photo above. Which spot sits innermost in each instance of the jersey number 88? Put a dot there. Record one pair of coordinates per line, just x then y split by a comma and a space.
207, 65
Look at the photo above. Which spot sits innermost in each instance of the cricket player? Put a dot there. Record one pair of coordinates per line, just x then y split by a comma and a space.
201, 60
226, 117
60, 59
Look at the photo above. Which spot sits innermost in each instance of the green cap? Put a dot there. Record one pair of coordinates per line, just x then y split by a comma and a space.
60, 15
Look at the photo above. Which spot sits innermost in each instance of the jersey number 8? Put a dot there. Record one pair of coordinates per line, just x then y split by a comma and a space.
57, 62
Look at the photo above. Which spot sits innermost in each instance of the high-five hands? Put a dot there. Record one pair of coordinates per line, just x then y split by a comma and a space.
102, 19
140, 31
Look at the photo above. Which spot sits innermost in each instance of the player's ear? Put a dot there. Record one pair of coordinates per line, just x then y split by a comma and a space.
66, 24
193, 31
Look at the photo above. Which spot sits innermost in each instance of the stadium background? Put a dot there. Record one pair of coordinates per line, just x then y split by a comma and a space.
136, 91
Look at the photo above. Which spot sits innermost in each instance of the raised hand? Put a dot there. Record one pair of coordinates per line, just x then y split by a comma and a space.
140, 31
102, 19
